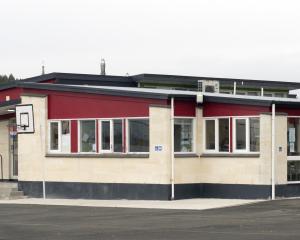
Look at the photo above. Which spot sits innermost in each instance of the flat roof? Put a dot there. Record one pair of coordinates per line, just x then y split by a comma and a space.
165, 94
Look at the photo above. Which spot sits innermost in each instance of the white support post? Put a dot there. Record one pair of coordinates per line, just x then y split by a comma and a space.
273, 153
172, 151
234, 88
262, 92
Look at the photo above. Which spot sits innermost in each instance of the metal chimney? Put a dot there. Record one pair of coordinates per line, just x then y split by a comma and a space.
102, 67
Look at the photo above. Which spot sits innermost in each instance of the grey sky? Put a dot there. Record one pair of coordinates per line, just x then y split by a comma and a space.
227, 38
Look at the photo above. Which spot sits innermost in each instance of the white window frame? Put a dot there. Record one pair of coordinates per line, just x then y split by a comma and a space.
127, 134
79, 135
59, 150
193, 135
216, 150
247, 149
111, 144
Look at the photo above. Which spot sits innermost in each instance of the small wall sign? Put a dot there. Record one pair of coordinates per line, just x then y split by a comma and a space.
158, 148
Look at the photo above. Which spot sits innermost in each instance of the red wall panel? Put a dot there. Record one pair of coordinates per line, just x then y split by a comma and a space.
13, 93
74, 136
185, 108
222, 109
67, 105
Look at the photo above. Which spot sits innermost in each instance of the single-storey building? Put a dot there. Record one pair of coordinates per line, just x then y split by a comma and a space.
150, 136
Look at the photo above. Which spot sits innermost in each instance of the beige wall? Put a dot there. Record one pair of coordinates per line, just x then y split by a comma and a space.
157, 168
154, 169
4, 148
237, 170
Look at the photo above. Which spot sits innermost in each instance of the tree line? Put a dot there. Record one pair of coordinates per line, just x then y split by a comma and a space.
6, 78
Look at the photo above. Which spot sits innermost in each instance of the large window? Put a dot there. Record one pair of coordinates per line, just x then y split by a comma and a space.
246, 134
87, 136
293, 149
217, 135
293, 171
111, 135
183, 135
59, 140
138, 131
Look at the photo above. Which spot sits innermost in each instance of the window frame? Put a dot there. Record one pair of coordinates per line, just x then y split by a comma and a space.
59, 150
217, 147
127, 134
292, 158
79, 135
111, 120
247, 149
193, 135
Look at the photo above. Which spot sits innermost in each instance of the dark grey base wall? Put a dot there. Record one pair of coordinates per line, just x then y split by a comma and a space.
154, 191
97, 190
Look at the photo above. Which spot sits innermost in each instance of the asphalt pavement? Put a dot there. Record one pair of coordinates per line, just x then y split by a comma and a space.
263, 220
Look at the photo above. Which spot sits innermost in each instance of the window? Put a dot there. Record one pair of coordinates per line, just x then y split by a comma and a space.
138, 135
111, 135
183, 135
60, 138
217, 135
54, 142
268, 94
240, 134
224, 135
293, 171
293, 137
210, 134
246, 135
87, 136
293, 149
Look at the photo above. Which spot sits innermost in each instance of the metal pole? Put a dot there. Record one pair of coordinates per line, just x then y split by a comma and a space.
273, 152
172, 151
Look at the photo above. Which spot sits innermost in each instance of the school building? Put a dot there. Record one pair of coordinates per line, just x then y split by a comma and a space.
150, 136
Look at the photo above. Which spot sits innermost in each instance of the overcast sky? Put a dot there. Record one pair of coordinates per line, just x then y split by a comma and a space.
257, 39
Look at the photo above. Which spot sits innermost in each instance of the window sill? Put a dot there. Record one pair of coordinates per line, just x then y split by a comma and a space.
293, 182
98, 155
186, 155
240, 155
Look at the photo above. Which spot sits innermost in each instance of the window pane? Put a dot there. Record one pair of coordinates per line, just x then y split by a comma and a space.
293, 170
183, 135
105, 135
224, 135
293, 138
65, 136
240, 132
254, 134
138, 135
210, 134
118, 136
53, 135
87, 136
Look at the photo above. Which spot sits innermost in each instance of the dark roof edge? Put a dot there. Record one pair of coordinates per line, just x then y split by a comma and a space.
79, 89
10, 103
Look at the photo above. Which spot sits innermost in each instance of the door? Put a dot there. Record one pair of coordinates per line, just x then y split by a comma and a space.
13, 149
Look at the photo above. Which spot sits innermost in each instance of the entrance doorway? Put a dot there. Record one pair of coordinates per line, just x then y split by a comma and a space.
13, 149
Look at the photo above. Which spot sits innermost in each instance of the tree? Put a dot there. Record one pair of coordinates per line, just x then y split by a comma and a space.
5, 78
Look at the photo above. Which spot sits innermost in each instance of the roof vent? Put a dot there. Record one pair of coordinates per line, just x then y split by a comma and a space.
102, 66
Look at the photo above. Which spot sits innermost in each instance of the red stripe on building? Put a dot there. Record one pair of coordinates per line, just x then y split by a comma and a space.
13, 93
74, 136
185, 108
68, 105
222, 109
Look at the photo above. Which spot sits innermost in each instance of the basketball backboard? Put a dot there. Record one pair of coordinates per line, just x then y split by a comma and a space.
24, 118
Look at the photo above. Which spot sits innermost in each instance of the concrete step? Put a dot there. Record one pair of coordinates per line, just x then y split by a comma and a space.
9, 190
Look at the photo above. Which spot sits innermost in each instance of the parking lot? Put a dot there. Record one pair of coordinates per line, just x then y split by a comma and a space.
264, 220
